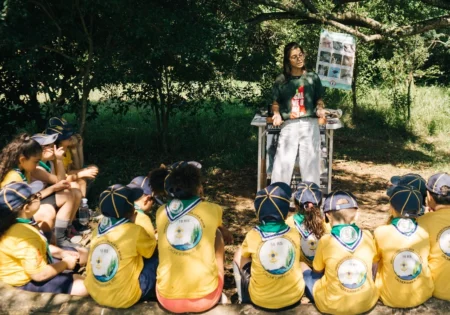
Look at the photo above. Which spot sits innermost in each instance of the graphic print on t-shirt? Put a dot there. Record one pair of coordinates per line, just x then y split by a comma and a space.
407, 265
277, 255
298, 108
352, 273
185, 233
444, 241
104, 262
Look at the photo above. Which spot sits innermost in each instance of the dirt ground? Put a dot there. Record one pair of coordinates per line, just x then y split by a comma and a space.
235, 192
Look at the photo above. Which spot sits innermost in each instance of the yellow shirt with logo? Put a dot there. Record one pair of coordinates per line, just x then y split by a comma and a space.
347, 286
115, 263
276, 276
145, 222
23, 252
403, 276
308, 245
14, 176
67, 159
437, 224
187, 263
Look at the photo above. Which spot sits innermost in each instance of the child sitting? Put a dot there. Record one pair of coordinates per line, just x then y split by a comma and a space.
437, 224
308, 220
143, 204
345, 256
413, 180
17, 161
403, 277
122, 265
27, 261
190, 274
267, 266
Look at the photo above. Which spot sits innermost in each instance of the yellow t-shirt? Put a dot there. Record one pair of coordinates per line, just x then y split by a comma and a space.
187, 263
67, 159
115, 263
437, 224
276, 276
23, 252
347, 286
145, 222
14, 176
403, 276
308, 241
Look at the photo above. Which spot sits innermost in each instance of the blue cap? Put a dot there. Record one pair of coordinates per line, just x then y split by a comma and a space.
44, 139
439, 184
273, 202
406, 200
308, 192
143, 183
414, 180
118, 200
332, 199
58, 125
16, 194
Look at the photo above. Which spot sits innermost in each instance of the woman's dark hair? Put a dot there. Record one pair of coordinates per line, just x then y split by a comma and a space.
21, 145
184, 181
287, 70
8, 218
313, 218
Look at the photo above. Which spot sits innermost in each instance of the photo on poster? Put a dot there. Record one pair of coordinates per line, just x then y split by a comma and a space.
323, 70
349, 48
336, 59
326, 43
325, 56
334, 72
348, 61
346, 75
338, 46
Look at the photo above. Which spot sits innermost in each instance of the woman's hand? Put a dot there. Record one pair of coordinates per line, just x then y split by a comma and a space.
277, 120
61, 185
59, 152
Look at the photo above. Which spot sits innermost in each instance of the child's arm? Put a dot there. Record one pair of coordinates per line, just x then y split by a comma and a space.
318, 263
61, 185
145, 244
54, 269
226, 234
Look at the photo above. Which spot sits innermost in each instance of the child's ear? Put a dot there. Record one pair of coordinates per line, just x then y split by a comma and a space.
22, 159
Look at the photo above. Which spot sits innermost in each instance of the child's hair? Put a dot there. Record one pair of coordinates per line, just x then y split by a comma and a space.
156, 180
21, 145
346, 215
184, 181
8, 219
313, 218
443, 198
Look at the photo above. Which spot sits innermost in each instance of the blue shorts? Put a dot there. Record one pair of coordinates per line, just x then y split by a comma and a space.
61, 283
310, 278
147, 278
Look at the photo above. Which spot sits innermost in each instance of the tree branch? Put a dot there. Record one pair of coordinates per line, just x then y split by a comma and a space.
419, 27
43, 8
442, 4
338, 2
272, 16
60, 53
310, 6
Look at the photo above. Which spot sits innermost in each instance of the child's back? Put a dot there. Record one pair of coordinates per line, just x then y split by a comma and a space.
437, 224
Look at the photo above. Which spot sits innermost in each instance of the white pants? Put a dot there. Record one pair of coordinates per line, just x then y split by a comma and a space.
300, 136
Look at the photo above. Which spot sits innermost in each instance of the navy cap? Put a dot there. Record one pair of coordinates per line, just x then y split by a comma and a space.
45, 139
332, 199
308, 192
414, 180
273, 202
168, 181
143, 183
59, 122
406, 200
63, 134
16, 194
118, 200
437, 182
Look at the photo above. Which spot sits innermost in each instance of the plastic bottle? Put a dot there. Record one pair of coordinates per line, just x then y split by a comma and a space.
83, 212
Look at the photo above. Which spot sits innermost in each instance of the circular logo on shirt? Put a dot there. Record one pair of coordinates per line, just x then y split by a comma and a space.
184, 233
277, 255
104, 262
352, 273
406, 225
444, 241
309, 246
407, 265
176, 206
348, 234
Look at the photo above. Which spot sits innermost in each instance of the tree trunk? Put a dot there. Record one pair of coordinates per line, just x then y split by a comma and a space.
409, 99
354, 96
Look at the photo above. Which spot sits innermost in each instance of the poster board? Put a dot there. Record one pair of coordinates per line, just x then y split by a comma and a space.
336, 59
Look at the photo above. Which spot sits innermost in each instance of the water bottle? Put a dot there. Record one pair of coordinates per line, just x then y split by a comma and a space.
83, 212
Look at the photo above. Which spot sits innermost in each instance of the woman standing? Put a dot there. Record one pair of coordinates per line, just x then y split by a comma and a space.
297, 103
